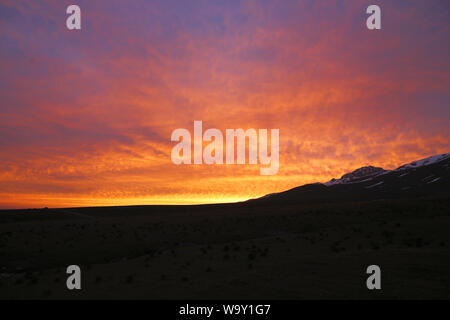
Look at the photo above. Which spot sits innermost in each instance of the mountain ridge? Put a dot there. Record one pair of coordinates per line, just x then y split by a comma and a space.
424, 177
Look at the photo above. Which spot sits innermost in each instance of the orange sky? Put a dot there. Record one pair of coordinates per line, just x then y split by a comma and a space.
86, 116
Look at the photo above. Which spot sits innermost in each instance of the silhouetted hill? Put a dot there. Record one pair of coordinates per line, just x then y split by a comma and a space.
429, 176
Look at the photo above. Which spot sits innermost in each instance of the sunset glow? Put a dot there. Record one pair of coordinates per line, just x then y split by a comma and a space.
86, 116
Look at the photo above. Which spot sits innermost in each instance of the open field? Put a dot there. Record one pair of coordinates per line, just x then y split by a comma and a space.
233, 251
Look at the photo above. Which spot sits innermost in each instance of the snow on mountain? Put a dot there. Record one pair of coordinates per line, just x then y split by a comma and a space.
375, 185
424, 162
426, 177
365, 174
434, 180
359, 175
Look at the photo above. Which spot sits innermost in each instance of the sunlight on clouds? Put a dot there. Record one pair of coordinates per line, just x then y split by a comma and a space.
86, 118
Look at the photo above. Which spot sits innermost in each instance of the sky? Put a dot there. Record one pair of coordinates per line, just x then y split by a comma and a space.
86, 115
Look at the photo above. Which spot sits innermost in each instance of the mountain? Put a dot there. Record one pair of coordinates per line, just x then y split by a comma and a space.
359, 175
425, 177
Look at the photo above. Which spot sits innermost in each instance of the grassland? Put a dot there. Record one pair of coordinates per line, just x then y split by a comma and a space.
236, 251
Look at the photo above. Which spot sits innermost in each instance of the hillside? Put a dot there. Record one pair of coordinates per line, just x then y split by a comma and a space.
426, 177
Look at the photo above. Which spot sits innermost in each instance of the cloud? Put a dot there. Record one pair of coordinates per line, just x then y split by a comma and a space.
86, 117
